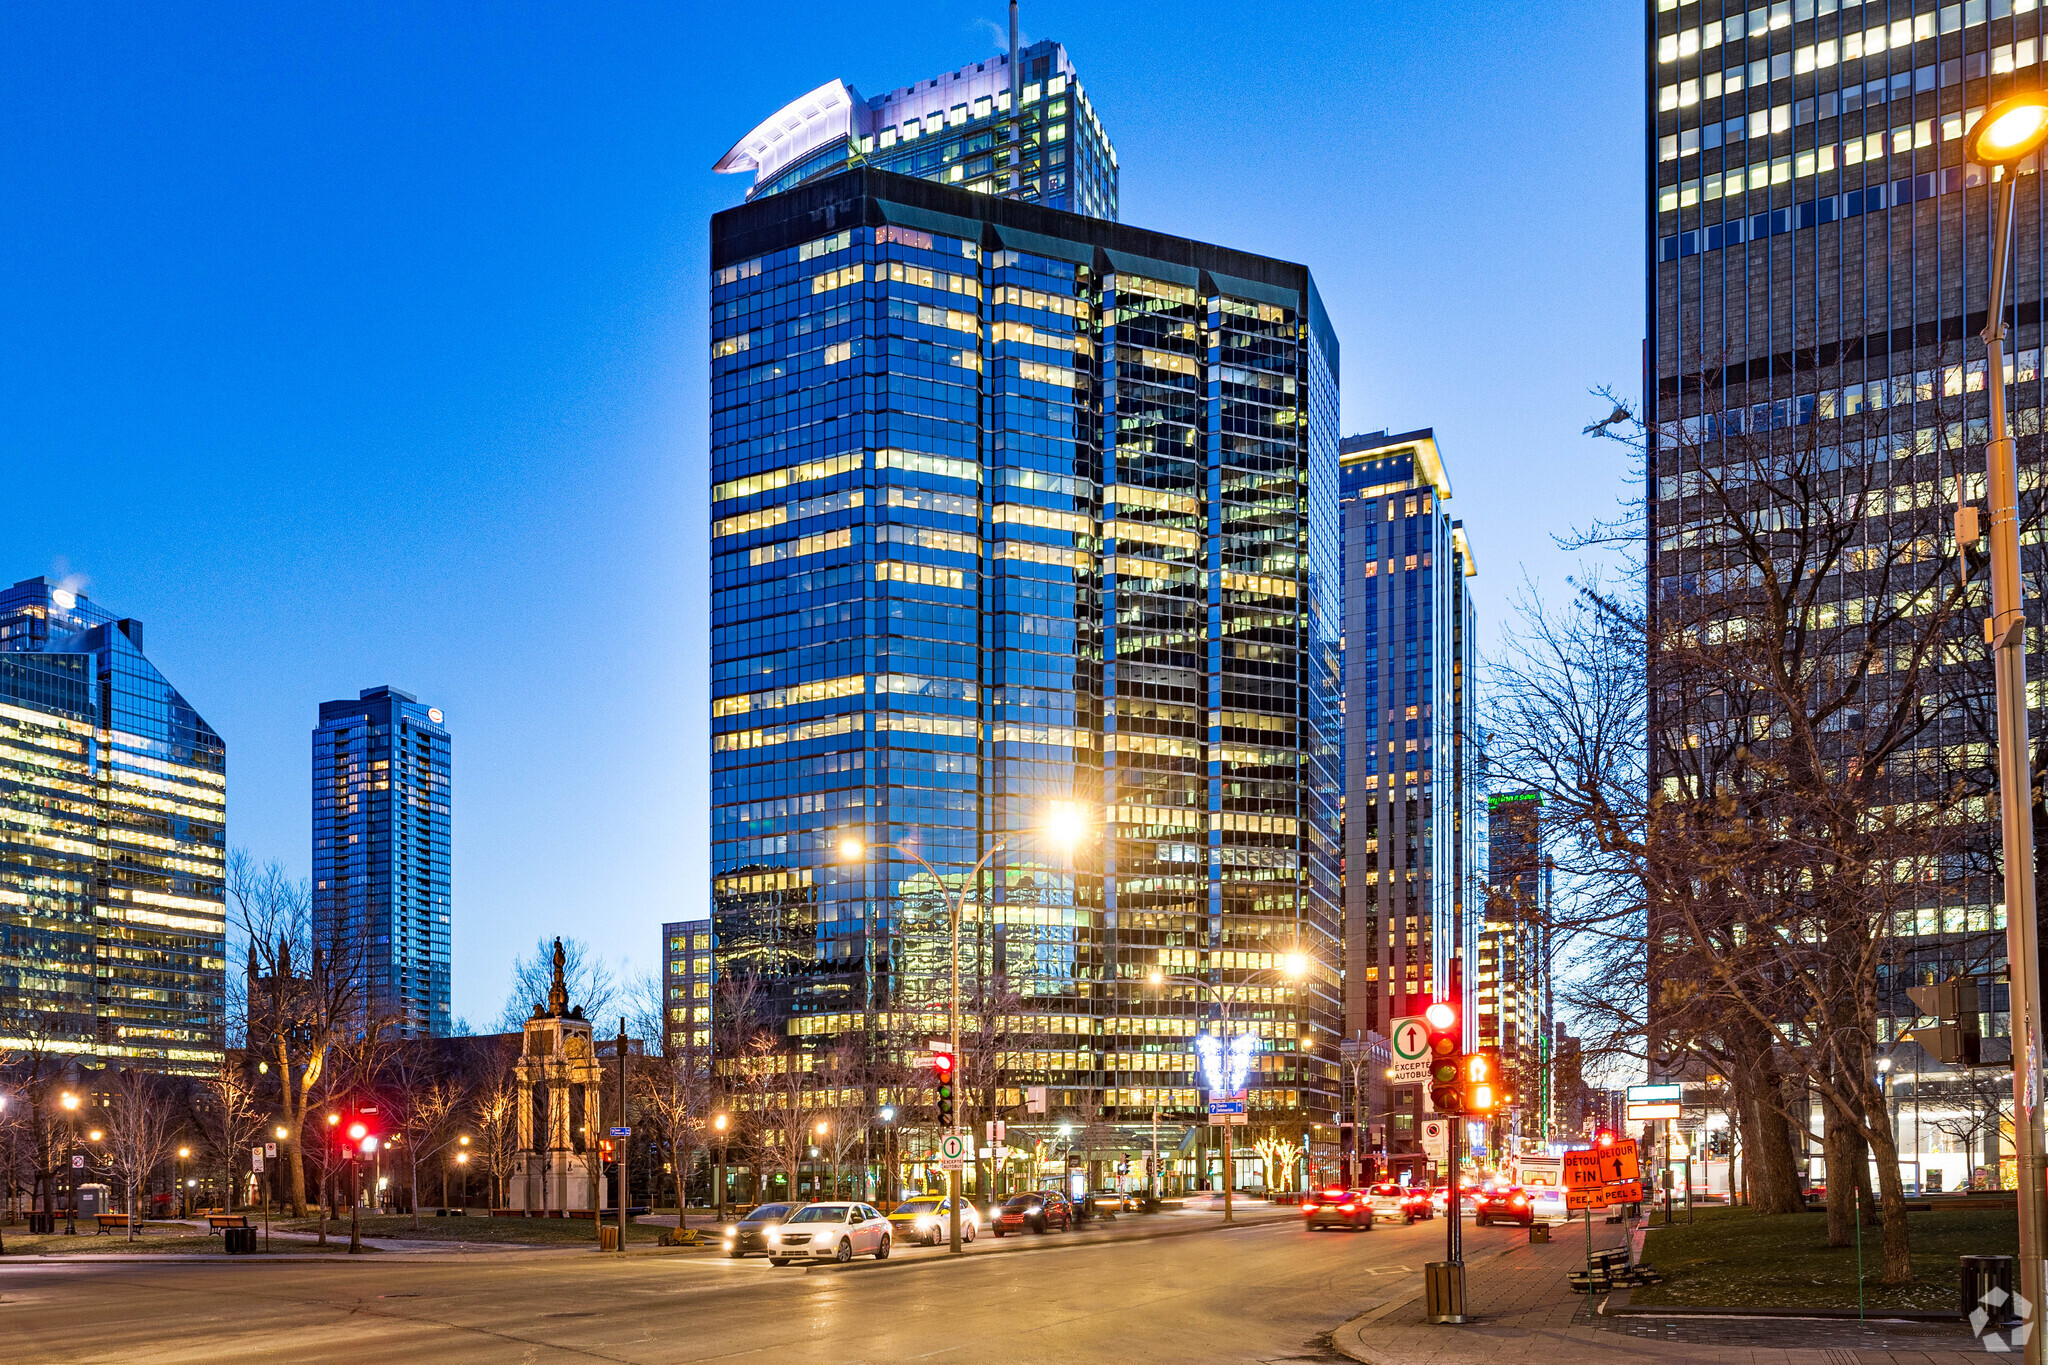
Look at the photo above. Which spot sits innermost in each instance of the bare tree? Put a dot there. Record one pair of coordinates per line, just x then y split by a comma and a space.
494, 1110
307, 997
141, 1132
1800, 799
589, 977
228, 1119
425, 1111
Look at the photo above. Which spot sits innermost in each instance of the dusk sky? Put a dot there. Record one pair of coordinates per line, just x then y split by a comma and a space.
367, 344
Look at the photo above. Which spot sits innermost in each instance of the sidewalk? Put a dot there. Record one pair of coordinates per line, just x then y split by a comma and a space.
1522, 1310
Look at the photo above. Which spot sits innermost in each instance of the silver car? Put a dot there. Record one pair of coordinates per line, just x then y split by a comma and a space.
830, 1232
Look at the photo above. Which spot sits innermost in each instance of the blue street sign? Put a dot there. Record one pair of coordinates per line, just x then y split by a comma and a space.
622, 1132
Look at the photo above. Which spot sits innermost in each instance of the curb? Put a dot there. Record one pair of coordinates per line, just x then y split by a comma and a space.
1387, 1307
1036, 1246
1617, 1305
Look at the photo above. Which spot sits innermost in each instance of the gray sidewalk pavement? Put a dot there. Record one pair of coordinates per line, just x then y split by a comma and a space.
1523, 1310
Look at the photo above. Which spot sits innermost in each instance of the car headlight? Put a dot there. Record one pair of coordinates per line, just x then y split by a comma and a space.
773, 1237
924, 1220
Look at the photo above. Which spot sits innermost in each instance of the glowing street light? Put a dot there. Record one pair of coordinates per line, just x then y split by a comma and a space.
2009, 132
1064, 825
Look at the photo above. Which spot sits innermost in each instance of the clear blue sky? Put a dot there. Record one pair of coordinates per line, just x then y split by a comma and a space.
348, 345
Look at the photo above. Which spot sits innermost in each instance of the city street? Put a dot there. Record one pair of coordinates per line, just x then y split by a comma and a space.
1263, 1292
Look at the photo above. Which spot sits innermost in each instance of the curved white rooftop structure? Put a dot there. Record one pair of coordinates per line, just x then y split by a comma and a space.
834, 110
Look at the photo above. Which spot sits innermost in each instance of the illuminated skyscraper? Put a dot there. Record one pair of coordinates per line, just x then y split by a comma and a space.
1410, 828
113, 843
956, 128
1012, 506
381, 853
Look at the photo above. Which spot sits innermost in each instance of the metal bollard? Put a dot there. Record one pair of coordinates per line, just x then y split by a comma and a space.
1443, 1291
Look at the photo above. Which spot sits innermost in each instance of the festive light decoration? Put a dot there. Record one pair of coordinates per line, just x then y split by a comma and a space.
1226, 1062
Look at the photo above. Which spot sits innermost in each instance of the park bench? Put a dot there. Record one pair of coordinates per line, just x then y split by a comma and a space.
216, 1221
110, 1221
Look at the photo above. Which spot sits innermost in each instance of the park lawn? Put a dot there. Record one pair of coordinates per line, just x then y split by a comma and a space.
538, 1232
1732, 1258
157, 1238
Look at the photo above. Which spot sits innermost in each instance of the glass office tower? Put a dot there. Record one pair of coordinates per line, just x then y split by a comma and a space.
1410, 763
956, 128
381, 852
113, 843
1013, 506
1511, 985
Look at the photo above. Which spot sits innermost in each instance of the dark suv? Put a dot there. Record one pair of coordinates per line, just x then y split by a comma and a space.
1036, 1211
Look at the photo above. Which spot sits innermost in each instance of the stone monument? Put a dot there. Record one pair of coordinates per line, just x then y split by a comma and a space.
556, 1170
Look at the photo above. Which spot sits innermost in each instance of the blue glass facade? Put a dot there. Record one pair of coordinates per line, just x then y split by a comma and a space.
113, 843
381, 853
957, 128
1013, 506
1413, 883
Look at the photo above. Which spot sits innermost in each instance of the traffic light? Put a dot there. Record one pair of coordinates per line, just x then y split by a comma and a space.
604, 1149
359, 1136
942, 1066
1479, 1087
1604, 1138
1444, 1087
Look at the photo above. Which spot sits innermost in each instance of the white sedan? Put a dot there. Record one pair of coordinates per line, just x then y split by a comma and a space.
829, 1232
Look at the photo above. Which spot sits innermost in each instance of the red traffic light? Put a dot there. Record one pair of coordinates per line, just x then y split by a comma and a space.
942, 1062
357, 1132
1604, 1138
1442, 1015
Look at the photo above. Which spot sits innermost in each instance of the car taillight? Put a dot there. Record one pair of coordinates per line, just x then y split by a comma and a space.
1309, 1208
1520, 1199
1352, 1206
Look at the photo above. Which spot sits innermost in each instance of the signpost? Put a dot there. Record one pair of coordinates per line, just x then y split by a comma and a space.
953, 1152
1599, 1178
1650, 1102
1229, 1111
1436, 1139
1411, 1050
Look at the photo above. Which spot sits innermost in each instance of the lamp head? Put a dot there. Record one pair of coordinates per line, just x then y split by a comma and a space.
1157, 978
822, 1126
852, 850
464, 1139
70, 1100
719, 1123
184, 1152
1295, 964
2008, 130
281, 1134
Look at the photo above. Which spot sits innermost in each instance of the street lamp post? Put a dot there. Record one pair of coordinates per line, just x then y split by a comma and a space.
2007, 134
718, 1123
70, 1103
1295, 968
1065, 828
184, 1200
889, 1153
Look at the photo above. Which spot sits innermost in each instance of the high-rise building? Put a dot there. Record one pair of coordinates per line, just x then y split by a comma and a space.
1013, 506
113, 843
956, 128
1410, 826
1511, 986
381, 852
1817, 284
687, 977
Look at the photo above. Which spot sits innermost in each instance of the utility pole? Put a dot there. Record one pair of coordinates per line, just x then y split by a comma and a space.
625, 1143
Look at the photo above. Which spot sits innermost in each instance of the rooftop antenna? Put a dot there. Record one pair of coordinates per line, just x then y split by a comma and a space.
1016, 103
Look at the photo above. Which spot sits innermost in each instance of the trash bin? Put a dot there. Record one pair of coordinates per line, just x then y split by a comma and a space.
1539, 1232
42, 1222
607, 1238
1443, 1291
1982, 1274
240, 1241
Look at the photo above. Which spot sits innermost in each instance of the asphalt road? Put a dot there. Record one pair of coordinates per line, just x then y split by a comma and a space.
1258, 1293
